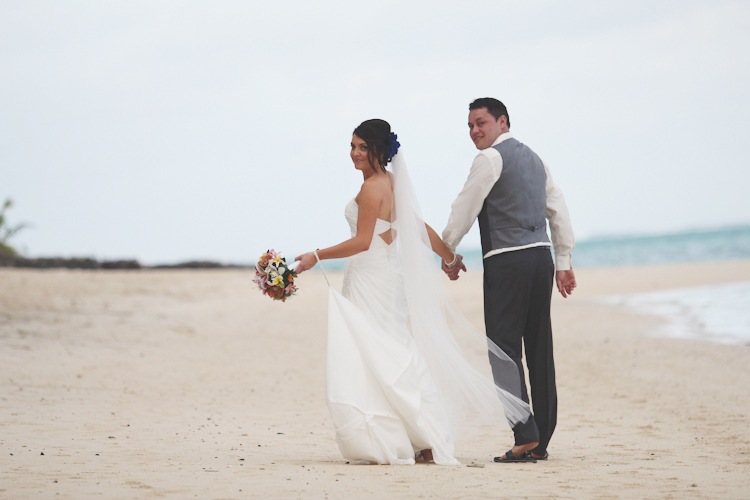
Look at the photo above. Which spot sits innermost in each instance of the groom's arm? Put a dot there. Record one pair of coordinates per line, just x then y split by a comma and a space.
484, 173
559, 223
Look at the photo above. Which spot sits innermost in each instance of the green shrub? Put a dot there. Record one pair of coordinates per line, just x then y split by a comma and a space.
6, 230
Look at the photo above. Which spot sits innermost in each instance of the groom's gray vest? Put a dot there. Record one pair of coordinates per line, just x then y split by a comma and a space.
514, 213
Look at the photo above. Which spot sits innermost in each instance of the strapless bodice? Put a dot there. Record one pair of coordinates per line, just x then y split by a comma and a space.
352, 212
379, 263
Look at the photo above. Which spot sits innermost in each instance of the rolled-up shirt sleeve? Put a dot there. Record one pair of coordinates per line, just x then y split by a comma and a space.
484, 173
560, 226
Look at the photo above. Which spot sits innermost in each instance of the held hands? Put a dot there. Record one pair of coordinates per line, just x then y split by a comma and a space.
566, 282
307, 261
452, 271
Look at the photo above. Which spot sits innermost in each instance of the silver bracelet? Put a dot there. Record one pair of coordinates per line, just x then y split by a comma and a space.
453, 262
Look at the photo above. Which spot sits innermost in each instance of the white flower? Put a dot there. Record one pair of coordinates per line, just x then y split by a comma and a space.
282, 269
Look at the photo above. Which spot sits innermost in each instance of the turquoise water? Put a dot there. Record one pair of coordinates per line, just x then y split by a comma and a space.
688, 246
719, 313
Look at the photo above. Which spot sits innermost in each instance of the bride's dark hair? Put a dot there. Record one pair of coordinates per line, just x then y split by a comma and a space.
376, 133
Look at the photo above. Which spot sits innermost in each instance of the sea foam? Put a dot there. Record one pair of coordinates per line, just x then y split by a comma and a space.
720, 313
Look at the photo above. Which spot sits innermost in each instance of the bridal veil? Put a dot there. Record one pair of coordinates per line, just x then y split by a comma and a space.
438, 325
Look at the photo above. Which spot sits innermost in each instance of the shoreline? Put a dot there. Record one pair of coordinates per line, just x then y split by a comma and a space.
174, 384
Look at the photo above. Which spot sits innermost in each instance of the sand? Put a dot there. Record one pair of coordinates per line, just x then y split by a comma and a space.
190, 384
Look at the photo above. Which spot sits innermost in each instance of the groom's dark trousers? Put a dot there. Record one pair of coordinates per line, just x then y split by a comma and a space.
517, 293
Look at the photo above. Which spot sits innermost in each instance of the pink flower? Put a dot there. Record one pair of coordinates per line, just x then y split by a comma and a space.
269, 276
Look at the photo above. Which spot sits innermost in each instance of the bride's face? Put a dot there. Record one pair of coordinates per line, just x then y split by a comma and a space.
359, 154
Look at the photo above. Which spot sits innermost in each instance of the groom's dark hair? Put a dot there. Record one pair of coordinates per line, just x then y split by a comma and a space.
494, 107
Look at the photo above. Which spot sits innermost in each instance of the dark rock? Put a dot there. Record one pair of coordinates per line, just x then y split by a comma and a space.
11, 260
49, 263
121, 264
7, 259
198, 264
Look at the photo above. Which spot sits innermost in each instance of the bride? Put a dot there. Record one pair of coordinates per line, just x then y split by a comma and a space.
397, 396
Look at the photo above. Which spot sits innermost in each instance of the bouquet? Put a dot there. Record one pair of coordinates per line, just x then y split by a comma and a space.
273, 277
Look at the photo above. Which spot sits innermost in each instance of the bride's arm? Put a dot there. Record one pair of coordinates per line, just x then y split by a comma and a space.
445, 253
438, 246
369, 202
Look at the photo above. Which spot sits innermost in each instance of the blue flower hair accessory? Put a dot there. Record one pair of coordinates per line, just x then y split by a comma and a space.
393, 146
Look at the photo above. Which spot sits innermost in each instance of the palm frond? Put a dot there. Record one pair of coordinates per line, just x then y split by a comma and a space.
6, 231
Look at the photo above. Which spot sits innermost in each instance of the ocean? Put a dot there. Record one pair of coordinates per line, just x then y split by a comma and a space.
719, 313
689, 246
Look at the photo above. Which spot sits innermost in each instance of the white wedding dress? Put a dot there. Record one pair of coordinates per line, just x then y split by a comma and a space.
397, 381
383, 401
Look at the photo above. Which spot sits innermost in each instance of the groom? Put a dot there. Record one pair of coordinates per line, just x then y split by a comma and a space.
511, 192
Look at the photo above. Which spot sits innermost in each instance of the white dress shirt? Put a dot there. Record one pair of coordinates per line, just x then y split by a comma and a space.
485, 172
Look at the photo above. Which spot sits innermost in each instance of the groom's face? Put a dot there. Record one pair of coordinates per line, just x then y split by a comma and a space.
483, 128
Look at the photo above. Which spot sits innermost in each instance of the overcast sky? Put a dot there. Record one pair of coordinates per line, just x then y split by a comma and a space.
168, 131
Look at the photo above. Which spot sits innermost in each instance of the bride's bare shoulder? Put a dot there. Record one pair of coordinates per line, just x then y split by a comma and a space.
374, 189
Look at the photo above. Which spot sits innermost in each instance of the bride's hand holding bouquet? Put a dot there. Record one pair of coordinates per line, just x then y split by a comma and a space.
306, 261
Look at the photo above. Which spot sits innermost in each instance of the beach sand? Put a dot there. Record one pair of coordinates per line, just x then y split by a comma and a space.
190, 384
